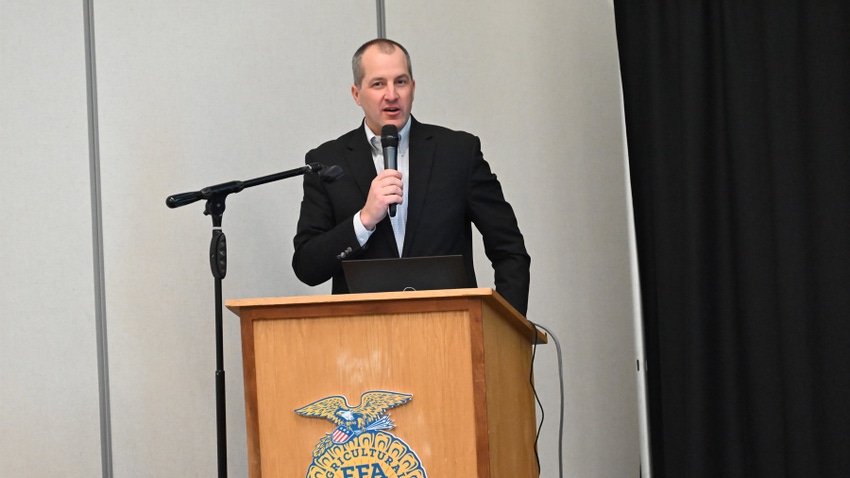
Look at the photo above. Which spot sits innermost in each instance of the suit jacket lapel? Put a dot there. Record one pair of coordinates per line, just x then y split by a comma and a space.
362, 168
359, 159
421, 160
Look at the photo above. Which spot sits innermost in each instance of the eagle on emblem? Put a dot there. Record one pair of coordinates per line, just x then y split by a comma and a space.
353, 421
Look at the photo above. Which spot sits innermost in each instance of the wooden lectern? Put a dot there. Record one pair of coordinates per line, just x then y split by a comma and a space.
464, 355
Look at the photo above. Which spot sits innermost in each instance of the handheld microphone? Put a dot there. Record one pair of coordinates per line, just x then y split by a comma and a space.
389, 143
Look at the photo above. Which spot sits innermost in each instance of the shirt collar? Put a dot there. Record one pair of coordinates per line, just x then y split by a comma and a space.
403, 136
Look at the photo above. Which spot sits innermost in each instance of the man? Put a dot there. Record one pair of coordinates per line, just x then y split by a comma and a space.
441, 187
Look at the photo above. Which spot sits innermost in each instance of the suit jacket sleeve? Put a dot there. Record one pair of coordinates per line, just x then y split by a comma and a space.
325, 232
503, 243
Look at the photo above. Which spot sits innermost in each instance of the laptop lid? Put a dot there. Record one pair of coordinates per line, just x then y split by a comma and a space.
406, 273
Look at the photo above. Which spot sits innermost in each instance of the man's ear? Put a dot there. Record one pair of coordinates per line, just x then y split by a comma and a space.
355, 92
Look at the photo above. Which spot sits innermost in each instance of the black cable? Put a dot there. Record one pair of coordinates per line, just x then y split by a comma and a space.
537, 400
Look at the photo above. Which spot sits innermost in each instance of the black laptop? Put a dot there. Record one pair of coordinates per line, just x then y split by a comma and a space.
406, 273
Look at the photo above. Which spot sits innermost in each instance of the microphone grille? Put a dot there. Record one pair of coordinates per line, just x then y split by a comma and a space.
389, 136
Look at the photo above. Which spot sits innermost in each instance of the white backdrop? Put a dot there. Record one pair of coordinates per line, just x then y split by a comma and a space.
194, 93
48, 353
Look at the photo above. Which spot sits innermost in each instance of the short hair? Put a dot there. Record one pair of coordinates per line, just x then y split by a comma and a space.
386, 46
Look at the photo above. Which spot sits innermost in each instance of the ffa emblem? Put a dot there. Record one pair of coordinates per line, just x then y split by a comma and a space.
360, 447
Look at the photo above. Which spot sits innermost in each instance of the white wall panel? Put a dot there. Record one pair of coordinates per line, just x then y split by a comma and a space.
538, 81
49, 422
195, 93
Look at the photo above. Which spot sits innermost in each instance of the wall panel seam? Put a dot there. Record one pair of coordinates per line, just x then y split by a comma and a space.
97, 243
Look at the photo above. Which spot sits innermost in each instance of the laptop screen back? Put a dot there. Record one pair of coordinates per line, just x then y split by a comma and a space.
407, 273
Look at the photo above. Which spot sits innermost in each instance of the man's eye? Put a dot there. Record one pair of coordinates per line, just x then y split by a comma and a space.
377, 84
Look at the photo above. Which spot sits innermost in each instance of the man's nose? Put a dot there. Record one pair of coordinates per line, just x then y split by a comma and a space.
392, 93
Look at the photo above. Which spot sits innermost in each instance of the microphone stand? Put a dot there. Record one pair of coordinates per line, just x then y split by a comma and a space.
215, 196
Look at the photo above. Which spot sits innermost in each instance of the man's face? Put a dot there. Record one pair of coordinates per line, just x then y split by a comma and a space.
386, 92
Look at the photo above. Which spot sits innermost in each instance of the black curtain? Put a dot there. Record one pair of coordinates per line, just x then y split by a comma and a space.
738, 123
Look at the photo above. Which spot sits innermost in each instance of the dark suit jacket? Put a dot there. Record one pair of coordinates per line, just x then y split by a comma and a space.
451, 187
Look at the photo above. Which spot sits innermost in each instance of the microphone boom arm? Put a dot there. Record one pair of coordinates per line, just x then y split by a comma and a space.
223, 189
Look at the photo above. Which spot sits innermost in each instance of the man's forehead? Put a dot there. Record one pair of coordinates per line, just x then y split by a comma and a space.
386, 71
383, 75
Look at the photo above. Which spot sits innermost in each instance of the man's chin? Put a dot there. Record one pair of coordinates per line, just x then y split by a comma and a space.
397, 120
